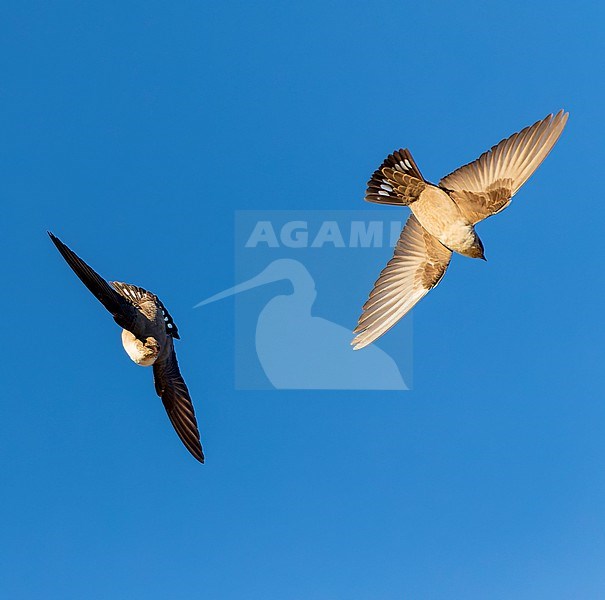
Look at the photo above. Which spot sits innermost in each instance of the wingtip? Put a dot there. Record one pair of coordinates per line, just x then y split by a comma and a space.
358, 344
198, 453
195, 449
561, 115
55, 240
59, 245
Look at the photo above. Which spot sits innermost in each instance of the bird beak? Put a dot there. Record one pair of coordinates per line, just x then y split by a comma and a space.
260, 279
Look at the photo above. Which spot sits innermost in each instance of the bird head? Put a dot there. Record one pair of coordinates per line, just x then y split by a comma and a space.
476, 249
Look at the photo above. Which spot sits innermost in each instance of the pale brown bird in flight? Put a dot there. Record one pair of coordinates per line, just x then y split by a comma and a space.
444, 216
147, 336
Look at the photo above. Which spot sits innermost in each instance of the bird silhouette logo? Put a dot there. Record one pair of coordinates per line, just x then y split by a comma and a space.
298, 350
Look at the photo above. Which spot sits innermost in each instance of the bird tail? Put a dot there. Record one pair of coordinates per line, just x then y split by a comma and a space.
397, 181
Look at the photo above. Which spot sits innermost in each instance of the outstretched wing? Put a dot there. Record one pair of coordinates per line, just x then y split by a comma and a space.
419, 263
398, 180
485, 186
124, 313
171, 388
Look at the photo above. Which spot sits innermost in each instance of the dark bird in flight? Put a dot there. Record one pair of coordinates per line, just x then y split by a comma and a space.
444, 216
148, 332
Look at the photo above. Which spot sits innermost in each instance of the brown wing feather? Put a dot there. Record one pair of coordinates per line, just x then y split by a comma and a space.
418, 265
124, 313
485, 186
171, 388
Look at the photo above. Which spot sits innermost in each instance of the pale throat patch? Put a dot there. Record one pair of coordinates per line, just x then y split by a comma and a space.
143, 354
459, 236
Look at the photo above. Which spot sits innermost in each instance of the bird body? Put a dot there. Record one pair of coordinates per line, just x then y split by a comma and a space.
145, 349
437, 212
444, 216
142, 352
148, 332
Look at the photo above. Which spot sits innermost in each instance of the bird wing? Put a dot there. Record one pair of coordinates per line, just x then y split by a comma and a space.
419, 263
171, 388
485, 186
398, 180
124, 313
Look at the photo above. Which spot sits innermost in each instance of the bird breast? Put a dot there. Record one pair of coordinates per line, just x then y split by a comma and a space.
440, 216
142, 353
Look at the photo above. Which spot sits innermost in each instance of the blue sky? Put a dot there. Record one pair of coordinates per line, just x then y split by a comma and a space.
134, 130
